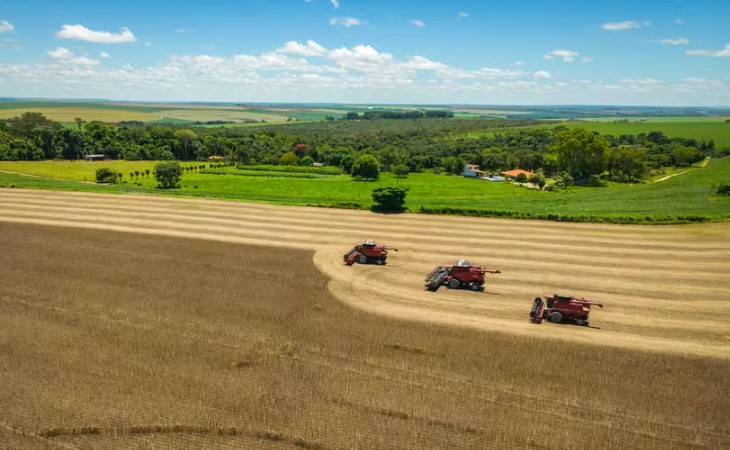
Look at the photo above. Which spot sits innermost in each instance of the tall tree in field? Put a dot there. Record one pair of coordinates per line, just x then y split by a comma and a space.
366, 167
580, 152
168, 175
185, 138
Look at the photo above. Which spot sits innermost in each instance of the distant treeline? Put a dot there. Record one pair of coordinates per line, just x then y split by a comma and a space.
423, 144
373, 115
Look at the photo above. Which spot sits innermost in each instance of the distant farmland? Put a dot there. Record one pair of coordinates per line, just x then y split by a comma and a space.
67, 112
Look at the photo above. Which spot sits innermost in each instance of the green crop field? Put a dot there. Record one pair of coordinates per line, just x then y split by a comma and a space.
692, 194
701, 128
706, 129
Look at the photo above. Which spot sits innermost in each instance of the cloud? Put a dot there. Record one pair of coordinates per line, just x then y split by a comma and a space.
680, 41
307, 71
565, 55
346, 22
147, 44
418, 23
6, 27
65, 55
335, 3
724, 53
311, 48
462, 15
678, 21
104, 55
586, 59
81, 33
626, 25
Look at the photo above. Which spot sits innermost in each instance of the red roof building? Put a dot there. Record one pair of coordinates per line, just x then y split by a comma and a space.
514, 173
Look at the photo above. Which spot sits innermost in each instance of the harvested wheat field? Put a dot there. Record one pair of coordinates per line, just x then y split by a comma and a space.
144, 321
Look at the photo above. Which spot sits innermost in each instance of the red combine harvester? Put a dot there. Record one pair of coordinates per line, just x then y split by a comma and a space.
461, 275
368, 253
562, 307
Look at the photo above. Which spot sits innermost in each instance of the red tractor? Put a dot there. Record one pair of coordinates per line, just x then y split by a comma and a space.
368, 253
562, 307
461, 275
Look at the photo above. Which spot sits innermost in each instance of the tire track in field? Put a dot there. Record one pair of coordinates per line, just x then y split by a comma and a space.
647, 276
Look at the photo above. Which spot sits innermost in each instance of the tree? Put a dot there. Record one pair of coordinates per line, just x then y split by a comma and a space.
106, 175
168, 175
288, 159
185, 138
366, 167
400, 171
390, 199
723, 189
580, 152
628, 164
538, 179
521, 178
352, 116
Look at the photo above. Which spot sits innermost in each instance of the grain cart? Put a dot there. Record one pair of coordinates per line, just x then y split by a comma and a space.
562, 307
461, 275
367, 253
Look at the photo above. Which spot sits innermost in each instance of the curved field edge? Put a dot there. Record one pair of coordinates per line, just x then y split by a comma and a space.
681, 199
649, 276
185, 350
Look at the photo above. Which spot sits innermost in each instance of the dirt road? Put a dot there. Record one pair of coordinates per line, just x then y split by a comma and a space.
665, 288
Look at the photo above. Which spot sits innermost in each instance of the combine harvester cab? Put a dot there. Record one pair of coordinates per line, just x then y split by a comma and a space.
461, 275
559, 308
368, 253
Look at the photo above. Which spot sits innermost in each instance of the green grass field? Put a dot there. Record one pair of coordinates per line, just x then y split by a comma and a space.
692, 194
701, 128
706, 129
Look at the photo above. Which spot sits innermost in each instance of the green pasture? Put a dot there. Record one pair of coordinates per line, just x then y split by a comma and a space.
685, 197
705, 128
697, 129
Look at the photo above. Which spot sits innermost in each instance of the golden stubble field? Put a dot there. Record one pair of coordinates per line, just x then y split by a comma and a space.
112, 339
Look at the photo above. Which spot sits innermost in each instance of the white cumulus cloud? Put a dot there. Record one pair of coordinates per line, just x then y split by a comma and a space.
335, 3
346, 22
310, 48
625, 25
565, 55
542, 74
64, 55
724, 53
104, 55
418, 23
462, 15
6, 27
680, 41
81, 33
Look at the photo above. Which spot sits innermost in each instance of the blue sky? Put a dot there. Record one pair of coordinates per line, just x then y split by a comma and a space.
632, 52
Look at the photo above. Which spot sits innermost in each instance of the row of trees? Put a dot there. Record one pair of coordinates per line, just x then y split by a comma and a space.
398, 145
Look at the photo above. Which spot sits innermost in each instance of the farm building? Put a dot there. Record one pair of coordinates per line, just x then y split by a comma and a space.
94, 157
516, 172
473, 171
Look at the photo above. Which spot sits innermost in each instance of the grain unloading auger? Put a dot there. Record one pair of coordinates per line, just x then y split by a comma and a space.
461, 275
368, 253
562, 307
